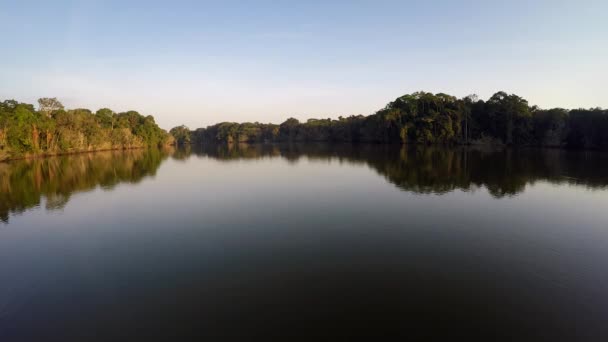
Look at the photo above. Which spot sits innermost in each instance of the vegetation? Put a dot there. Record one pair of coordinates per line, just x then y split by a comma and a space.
426, 118
51, 129
419, 118
181, 134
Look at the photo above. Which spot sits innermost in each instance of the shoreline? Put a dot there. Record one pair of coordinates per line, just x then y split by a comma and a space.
470, 145
66, 153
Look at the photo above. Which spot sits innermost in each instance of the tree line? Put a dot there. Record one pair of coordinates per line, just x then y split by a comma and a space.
426, 118
52, 129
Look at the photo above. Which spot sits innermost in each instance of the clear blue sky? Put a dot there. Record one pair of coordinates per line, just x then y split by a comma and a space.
199, 63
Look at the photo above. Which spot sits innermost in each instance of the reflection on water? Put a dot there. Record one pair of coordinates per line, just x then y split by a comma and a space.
503, 172
23, 183
320, 242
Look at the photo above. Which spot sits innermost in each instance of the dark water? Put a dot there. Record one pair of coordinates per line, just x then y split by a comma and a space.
305, 241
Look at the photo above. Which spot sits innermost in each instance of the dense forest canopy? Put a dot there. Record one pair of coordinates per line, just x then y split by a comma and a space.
426, 118
53, 130
418, 118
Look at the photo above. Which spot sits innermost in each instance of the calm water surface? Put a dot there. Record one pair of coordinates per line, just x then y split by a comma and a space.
305, 241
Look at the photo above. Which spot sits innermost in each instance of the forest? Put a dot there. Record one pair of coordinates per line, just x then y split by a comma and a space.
426, 118
419, 118
52, 130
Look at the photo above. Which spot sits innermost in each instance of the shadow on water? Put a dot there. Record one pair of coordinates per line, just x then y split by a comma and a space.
418, 169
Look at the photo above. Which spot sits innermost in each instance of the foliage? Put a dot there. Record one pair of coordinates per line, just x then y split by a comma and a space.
48, 105
418, 118
181, 134
426, 118
54, 130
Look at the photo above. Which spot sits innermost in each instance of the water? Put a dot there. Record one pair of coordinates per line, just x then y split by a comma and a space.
305, 241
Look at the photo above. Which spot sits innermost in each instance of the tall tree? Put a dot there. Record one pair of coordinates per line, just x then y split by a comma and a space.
49, 104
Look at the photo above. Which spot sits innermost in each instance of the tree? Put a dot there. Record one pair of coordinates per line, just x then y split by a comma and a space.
511, 118
105, 117
49, 104
549, 126
288, 129
467, 108
181, 135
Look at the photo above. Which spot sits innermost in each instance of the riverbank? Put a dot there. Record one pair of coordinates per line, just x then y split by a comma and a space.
8, 158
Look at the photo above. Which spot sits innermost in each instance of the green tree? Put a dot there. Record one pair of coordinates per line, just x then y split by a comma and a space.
47, 105
181, 135
105, 117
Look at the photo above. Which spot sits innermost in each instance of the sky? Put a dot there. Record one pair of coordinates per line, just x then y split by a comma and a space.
202, 62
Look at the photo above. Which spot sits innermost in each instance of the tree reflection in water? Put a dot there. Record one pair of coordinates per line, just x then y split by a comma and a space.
418, 169
24, 183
